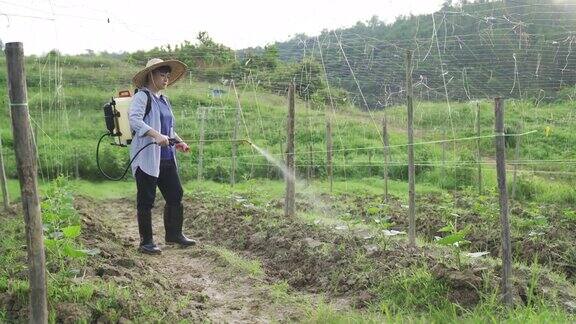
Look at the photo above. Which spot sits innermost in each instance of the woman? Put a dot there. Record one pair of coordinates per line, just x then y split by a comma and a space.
156, 166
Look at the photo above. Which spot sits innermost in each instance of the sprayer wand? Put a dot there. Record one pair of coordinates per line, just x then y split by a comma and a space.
171, 141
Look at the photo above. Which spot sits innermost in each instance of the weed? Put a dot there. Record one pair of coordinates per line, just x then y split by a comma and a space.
252, 267
412, 290
456, 239
280, 291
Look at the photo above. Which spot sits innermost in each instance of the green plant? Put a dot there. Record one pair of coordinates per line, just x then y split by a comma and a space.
411, 290
61, 225
570, 215
455, 239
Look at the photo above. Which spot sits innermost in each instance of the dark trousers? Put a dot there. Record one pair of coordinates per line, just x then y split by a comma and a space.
168, 182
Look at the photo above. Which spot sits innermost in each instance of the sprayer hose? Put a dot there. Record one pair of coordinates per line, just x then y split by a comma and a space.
127, 167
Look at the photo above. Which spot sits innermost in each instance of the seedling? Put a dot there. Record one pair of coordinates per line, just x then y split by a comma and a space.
455, 239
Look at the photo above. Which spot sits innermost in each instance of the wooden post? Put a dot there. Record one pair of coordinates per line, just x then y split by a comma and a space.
235, 141
283, 160
4, 180
444, 148
385, 141
370, 163
290, 199
201, 144
411, 170
329, 169
312, 162
516, 159
504, 222
76, 165
268, 167
27, 170
478, 154
35, 130
309, 165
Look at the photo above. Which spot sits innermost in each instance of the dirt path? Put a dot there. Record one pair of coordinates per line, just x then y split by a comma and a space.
220, 294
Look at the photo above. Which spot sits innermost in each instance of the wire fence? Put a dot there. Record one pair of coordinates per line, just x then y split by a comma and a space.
456, 73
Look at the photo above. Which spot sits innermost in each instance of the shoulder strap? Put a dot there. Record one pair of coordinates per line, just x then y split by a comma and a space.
148, 102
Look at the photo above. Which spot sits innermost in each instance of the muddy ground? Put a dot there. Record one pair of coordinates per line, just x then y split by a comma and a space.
350, 268
340, 262
539, 232
215, 293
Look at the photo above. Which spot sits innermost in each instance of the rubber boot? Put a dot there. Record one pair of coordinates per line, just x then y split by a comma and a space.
173, 220
147, 244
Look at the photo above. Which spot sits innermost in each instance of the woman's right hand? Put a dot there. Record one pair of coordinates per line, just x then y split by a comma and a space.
161, 140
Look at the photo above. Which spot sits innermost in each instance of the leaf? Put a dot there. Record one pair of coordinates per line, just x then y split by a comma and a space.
446, 229
50, 244
71, 251
461, 243
49, 217
451, 239
372, 210
71, 231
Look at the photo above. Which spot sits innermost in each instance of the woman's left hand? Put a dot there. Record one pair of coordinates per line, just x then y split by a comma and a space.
182, 147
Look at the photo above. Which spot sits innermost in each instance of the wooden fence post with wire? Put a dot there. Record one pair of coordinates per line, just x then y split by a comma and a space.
504, 221
26, 164
329, 169
290, 176
235, 140
519, 130
202, 115
444, 137
4, 180
386, 153
411, 169
478, 153
310, 165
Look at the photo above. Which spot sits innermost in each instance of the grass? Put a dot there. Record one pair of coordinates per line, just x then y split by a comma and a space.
69, 293
412, 295
253, 268
66, 136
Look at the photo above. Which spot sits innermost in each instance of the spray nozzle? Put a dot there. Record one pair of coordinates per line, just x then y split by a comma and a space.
245, 141
173, 141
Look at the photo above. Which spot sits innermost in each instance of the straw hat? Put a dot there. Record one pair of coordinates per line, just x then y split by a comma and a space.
178, 69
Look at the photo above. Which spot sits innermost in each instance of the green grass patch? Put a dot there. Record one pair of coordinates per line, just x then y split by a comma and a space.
253, 268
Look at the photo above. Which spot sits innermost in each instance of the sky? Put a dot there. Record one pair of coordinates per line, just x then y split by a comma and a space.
74, 26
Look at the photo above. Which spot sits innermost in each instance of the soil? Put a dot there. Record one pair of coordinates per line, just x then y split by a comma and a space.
218, 295
550, 244
347, 268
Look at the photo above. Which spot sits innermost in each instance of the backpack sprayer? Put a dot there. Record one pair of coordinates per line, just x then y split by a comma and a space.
118, 125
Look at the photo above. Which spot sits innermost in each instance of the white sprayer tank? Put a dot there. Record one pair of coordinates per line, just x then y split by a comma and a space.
121, 120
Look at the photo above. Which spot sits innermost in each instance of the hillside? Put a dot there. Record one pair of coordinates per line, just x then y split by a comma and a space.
469, 50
